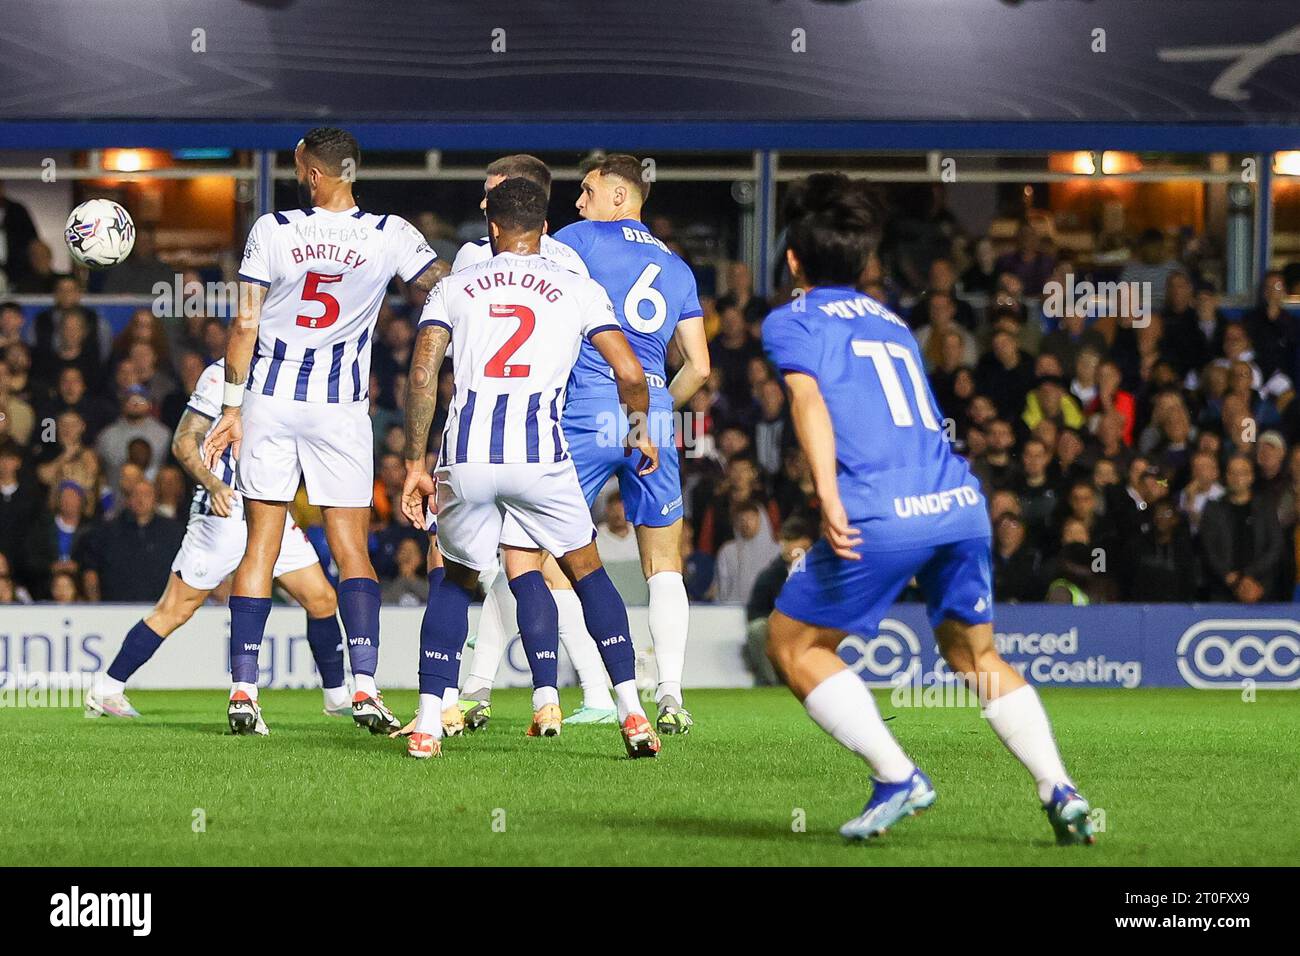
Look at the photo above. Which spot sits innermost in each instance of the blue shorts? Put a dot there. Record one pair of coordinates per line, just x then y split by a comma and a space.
596, 446
853, 596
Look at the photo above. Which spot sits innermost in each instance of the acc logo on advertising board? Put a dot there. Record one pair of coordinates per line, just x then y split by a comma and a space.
1223, 653
891, 657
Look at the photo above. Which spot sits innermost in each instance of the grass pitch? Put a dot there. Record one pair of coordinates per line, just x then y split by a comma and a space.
1183, 777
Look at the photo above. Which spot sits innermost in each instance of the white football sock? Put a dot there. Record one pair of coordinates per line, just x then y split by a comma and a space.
108, 687
1019, 719
429, 720
669, 617
450, 698
336, 697
582, 650
629, 701
844, 708
496, 625
249, 689
545, 695
366, 684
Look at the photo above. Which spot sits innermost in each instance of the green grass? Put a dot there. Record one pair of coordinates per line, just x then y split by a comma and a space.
1184, 778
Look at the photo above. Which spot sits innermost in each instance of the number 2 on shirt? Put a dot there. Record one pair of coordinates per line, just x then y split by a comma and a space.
496, 366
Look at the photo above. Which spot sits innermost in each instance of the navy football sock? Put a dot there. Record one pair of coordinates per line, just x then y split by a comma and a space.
430, 618
606, 618
359, 607
442, 637
140, 644
247, 627
539, 627
326, 641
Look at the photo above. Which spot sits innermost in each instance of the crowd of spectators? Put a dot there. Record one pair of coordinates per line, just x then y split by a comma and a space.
1140, 457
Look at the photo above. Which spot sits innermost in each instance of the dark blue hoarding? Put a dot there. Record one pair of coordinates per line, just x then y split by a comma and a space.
1205, 646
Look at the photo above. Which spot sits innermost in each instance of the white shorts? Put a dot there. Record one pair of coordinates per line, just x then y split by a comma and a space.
542, 500
330, 445
213, 547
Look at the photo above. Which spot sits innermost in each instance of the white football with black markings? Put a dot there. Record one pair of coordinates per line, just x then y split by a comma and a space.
100, 233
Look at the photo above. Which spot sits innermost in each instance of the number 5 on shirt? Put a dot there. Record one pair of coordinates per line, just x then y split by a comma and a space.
311, 292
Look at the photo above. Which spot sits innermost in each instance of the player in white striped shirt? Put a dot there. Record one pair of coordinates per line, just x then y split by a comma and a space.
295, 402
516, 322
497, 623
215, 539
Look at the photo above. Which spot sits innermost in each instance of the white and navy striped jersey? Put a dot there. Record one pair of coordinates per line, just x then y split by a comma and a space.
325, 273
480, 250
206, 401
516, 324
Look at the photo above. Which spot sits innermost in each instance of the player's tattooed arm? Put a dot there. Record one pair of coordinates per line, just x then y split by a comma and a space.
422, 387
812, 426
427, 353
430, 277
633, 393
691, 341
229, 431
187, 449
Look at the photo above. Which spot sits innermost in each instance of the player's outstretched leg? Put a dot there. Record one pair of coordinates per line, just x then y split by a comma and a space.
841, 705
441, 640
539, 628
496, 625
1014, 711
176, 606
453, 719
606, 618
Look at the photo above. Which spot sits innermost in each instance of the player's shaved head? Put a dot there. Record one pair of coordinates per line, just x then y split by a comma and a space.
522, 166
625, 167
517, 205
330, 148
832, 227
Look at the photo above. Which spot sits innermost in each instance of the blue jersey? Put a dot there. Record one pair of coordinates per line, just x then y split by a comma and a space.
652, 290
898, 477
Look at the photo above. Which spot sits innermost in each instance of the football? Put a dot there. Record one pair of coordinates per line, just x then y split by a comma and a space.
99, 233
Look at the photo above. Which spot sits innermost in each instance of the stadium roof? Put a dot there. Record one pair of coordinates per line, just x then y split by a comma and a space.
853, 74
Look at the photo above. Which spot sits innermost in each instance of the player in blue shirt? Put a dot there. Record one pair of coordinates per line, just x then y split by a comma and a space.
896, 503
654, 295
